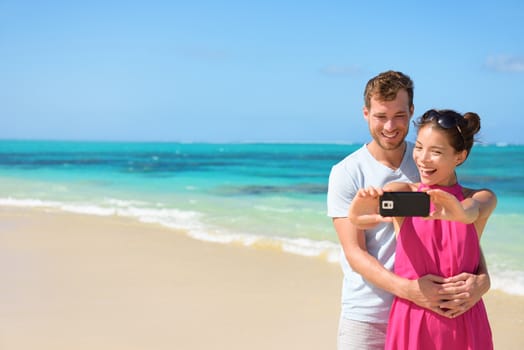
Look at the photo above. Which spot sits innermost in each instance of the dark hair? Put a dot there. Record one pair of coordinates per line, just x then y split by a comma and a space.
386, 85
460, 129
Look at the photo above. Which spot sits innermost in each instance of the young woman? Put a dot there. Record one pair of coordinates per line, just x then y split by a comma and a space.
445, 243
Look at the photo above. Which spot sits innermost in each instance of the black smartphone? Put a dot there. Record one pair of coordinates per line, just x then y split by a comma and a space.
404, 204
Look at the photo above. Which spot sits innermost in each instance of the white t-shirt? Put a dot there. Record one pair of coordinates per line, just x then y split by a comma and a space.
362, 301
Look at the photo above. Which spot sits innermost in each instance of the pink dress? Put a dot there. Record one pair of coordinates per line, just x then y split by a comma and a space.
443, 248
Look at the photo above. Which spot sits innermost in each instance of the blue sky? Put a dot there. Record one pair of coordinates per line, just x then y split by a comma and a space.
228, 71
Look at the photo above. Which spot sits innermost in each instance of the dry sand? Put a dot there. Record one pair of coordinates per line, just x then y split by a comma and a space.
83, 282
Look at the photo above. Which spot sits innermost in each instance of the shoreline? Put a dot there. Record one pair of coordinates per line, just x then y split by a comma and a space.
85, 282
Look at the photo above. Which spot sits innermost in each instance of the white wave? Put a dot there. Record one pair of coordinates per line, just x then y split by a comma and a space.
123, 203
273, 209
509, 281
31, 203
88, 209
246, 240
173, 218
69, 207
312, 248
502, 278
329, 251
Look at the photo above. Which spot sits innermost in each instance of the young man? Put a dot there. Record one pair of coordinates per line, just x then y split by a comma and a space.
369, 285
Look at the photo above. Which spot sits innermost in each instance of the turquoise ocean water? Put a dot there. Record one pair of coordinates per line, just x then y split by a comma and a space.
265, 195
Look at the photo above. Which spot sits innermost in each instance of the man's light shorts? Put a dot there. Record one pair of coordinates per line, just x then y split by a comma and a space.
356, 335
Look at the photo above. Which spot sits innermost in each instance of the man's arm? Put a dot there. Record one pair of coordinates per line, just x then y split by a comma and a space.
446, 296
423, 292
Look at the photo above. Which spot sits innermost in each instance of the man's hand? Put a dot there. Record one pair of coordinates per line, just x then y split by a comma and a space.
449, 297
463, 291
425, 292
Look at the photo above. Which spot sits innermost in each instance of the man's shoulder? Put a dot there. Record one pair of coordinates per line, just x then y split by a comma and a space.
352, 159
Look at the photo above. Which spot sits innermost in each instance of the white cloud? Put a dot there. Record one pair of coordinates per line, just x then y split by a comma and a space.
506, 63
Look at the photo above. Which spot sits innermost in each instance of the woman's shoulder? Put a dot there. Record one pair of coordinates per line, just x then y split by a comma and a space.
470, 192
486, 197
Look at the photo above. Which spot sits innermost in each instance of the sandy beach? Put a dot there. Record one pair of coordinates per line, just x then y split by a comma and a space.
84, 282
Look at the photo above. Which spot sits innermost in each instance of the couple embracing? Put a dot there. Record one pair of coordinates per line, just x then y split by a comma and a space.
410, 282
